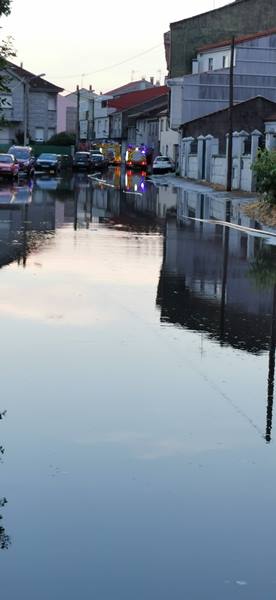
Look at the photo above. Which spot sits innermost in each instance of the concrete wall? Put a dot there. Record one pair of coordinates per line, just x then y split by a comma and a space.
192, 166
237, 18
246, 174
218, 170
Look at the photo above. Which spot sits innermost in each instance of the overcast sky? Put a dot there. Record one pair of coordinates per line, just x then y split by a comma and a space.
70, 42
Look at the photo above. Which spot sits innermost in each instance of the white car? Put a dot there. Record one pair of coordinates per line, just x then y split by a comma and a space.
162, 164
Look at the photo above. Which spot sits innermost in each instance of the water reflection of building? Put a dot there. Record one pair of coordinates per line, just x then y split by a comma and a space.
209, 281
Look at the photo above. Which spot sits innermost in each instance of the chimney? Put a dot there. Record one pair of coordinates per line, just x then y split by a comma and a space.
152, 80
21, 65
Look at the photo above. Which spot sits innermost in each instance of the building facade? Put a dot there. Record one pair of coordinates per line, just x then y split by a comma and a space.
206, 90
30, 105
237, 18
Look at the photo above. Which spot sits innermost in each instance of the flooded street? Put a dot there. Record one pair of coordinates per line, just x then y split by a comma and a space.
137, 370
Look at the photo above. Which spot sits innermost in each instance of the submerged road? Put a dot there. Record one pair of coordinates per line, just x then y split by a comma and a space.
138, 378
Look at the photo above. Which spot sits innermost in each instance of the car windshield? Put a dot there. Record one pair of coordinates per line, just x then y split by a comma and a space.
162, 159
96, 156
47, 157
22, 153
5, 158
82, 157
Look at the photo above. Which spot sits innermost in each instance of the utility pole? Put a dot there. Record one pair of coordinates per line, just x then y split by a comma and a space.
26, 112
231, 104
91, 113
78, 119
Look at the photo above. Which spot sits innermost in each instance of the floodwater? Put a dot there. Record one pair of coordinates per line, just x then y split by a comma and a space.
137, 376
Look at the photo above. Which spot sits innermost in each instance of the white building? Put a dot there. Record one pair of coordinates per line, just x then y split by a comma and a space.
206, 89
168, 138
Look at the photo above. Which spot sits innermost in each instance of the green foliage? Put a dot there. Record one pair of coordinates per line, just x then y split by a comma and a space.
263, 268
264, 168
62, 139
5, 7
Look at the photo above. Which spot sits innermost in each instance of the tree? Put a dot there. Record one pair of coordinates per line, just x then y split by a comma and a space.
264, 168
5, 7
63, 139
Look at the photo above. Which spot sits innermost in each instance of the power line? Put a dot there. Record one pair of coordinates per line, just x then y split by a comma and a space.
122, 62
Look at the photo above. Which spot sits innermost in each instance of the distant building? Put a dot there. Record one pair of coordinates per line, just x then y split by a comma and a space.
206, 90
135, 117
168, 138
67, 112
237, 18
31, 101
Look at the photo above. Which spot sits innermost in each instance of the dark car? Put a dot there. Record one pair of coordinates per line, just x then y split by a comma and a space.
98, 161
66, 161
82, 161
48, 162
24, 158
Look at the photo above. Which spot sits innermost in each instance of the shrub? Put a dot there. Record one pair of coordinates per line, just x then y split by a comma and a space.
264, 168
62, 139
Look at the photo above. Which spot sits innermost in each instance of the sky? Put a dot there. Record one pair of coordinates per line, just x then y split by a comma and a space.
84, 42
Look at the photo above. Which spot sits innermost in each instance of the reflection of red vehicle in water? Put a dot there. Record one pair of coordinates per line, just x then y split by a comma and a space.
138, 157
135, 182
15, 195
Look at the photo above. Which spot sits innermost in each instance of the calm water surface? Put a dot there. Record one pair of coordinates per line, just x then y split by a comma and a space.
137, 372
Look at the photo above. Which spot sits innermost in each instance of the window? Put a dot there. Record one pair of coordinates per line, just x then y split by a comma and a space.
224, 62
51, 103
162, 125
39, 134
167, 124
104, 103
210, 64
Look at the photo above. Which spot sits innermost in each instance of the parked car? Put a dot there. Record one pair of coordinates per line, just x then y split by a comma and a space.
9, 167
66, 161
162, 164
98, 161
82, 161
24, 158
48, 162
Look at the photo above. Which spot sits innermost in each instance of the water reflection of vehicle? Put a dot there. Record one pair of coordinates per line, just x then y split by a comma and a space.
135, 181
16, 195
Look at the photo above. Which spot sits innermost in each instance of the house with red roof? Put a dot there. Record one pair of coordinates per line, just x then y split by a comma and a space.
103, 106
132, 117
136, 116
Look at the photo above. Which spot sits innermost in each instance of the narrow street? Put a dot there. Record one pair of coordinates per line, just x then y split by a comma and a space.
138, 359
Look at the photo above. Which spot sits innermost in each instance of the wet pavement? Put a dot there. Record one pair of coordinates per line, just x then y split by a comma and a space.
137, 371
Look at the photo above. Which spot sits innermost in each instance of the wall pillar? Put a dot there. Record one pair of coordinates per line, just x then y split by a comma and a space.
200, 150
255, 137
209, 139
186, 150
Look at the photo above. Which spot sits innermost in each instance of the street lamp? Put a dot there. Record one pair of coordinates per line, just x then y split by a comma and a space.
26, 82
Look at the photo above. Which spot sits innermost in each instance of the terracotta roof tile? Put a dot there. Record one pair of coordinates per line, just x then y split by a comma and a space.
238, 40
132, 99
